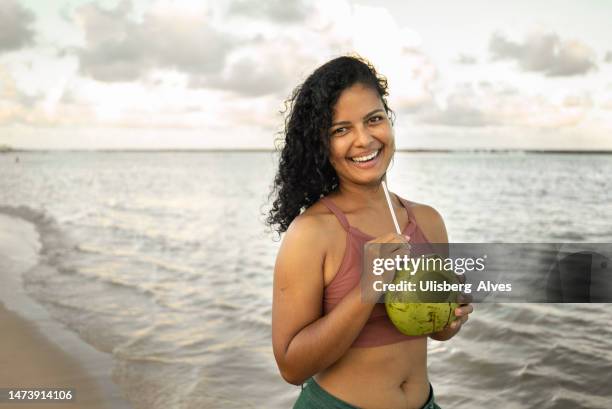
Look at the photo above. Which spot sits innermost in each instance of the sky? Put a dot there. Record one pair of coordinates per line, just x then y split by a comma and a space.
162, 74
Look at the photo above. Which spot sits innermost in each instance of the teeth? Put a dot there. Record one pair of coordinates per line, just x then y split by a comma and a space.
365, 158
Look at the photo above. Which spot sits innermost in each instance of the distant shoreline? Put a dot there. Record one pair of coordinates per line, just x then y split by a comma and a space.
258, 150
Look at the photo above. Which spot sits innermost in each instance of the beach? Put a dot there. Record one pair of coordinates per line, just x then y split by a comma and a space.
155, 278
35, 350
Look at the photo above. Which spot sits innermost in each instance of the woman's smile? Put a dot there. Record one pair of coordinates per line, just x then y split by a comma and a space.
359, 136
367, 160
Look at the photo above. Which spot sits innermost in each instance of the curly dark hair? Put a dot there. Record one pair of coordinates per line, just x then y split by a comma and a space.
305, 173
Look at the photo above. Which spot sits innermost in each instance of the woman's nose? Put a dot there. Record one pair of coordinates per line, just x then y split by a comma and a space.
362, 135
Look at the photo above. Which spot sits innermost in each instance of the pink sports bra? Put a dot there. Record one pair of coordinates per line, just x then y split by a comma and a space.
378, 330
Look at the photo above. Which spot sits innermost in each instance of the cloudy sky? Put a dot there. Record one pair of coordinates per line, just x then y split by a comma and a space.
197, 74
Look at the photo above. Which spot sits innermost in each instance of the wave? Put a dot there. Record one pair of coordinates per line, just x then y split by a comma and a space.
54, 243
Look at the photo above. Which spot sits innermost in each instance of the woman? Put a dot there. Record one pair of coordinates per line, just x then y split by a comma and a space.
339, 142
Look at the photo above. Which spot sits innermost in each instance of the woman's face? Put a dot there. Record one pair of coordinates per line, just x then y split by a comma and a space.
361, 137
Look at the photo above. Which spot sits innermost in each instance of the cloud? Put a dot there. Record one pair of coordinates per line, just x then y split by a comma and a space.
607, 105
15, 30
260, 68
466, 59
578, 101
169, 59
395, 50
484, 104
463, 108
121, 49
411, 85
252, 60
182, 63
10, 92
281, 11
545, 53
40, 110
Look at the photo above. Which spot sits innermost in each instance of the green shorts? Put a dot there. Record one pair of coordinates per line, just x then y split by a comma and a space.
315, 397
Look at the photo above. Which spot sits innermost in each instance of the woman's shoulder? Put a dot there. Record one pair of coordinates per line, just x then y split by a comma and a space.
316, 223
429, 220
424, 210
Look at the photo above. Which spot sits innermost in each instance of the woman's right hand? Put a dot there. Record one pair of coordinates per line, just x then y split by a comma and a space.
387, 246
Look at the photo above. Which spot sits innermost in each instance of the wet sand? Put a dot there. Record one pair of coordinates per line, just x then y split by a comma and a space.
37, 351
29, 360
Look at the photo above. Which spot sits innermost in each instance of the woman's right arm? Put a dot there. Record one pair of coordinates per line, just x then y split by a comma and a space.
304, 340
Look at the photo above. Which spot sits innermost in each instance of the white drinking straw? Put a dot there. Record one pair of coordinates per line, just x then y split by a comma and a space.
397, 228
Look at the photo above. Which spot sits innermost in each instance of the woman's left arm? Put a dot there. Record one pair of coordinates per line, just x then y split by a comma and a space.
435, 231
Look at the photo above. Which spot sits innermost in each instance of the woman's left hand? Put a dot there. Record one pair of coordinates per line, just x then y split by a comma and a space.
462, 313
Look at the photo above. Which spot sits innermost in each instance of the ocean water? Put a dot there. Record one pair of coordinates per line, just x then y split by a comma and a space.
161, 259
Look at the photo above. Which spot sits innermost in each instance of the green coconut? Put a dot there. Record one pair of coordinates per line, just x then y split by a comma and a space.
407, 309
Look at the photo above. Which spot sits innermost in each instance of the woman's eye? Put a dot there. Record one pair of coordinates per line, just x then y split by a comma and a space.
375, 119
338, 131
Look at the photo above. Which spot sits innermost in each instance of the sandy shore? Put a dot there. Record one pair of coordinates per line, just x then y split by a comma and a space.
35, 350
29, 360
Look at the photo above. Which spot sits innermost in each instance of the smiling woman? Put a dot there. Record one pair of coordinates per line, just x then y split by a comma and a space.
343, 350
371, 132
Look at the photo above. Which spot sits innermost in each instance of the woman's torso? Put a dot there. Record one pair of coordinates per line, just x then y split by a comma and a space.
385, 376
